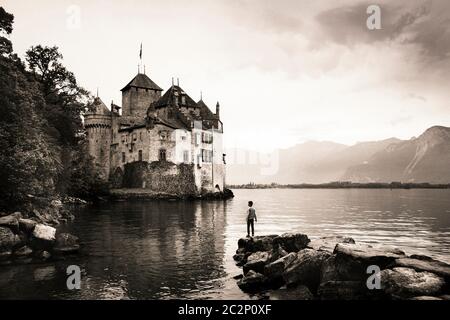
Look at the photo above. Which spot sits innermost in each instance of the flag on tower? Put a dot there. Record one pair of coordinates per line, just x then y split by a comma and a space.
140, 52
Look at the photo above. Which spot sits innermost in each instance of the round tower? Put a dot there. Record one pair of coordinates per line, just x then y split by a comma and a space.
98, 124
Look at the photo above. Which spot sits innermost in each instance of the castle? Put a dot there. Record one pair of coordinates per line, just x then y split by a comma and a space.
163, 143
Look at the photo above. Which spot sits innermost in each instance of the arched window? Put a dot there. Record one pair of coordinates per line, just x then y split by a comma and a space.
162, 155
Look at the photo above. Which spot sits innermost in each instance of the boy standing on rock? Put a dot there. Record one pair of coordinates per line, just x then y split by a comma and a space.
251, 219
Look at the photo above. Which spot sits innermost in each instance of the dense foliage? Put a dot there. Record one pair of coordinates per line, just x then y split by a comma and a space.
42, 139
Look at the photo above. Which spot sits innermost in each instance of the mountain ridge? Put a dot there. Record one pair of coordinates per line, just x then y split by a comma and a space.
420, 159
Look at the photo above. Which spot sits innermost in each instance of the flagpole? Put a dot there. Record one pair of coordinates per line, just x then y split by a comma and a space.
140, 55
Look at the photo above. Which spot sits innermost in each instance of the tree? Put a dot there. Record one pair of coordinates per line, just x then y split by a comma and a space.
66, 100
6, 22
29, 162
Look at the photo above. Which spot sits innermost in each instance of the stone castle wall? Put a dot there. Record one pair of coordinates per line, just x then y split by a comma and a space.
165, 177
136, 101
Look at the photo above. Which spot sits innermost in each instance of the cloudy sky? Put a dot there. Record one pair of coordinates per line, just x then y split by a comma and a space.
284, 71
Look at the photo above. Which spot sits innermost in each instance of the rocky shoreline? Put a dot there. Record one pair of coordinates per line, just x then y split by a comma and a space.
30, 236
148, 195
292, 267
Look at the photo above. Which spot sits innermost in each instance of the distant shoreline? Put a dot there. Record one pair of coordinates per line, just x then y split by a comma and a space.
343, 185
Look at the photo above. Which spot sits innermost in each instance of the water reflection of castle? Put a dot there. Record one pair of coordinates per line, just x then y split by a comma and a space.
175, 248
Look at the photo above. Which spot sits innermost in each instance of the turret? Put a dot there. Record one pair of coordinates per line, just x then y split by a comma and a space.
97, 122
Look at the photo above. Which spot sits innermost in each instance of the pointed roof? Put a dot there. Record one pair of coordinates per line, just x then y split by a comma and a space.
168, 98
98, 107
205, 112
142, 81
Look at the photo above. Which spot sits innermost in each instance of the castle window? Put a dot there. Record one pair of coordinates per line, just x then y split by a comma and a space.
183, 99
186, 156
162, 155
206, 155
123, 157
134, 137
197, 139
164, 135
140, 155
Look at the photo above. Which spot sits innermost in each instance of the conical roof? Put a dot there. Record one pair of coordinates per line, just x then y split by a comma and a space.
98, 108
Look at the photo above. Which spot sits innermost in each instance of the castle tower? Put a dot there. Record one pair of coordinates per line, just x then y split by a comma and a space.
98, 126
137, 96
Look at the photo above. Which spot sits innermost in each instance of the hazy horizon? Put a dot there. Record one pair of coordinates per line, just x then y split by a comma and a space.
284, 73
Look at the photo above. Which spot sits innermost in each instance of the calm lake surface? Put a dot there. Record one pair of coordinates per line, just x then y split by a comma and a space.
166, 250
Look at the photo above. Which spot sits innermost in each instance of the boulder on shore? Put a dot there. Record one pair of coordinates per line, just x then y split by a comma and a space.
335, 268
256, 261
368, 254
291, 242
258, 243
11, 221
276, 268
43, 232
297, 293
306, 268
27, 225
252, 282
423, 263
328, 244
407, 283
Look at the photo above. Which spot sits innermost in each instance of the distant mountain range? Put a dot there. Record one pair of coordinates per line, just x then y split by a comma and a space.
422, 159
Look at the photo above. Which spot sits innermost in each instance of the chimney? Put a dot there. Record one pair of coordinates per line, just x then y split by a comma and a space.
217, 109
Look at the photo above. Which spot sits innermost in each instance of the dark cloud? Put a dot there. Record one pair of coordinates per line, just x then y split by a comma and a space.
422, 23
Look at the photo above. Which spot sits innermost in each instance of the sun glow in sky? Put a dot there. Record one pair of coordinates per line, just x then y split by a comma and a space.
284, 71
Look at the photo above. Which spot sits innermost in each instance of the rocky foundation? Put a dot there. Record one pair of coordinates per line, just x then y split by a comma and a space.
291, 267
32, 237
148, 195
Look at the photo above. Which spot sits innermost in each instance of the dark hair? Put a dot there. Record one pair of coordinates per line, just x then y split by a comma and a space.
250, 203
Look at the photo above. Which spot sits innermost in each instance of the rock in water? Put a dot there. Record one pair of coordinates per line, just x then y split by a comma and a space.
426, 298
66, 243
252, 282
329, 243
7, 241
407, 283
291, 242
256, 261
306, 269
298, 293
23, 251
43, 232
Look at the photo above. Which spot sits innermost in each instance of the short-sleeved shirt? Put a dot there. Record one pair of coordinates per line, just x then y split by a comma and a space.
251, 214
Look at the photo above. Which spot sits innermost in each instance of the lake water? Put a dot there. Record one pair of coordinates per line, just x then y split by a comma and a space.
165, 250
